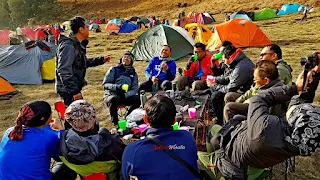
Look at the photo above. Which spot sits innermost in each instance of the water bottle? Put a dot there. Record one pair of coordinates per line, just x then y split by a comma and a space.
143, 98
174, 86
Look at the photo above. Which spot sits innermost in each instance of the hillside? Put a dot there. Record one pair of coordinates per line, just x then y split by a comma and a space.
164, 9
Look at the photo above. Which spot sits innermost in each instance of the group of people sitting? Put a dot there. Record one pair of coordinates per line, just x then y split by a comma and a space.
265, 118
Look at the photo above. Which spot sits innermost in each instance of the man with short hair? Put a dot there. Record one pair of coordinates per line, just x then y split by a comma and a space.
274, 53
160, 72
144, 159
266, 76
121, 86
238, 78
71, 63
199, 66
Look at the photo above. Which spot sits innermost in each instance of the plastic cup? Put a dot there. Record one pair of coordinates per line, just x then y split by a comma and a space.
175, 126
186, 128
210, 78
195, 57
192, 112
218, 56
142, 127
125, 87
122, 124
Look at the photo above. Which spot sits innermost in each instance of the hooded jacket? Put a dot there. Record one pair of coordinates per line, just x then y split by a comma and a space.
71, 65
91, 148
260, 141
118, 75
238, 78
285, 71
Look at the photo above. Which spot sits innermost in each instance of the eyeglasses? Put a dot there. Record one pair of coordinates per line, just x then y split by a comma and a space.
263, 54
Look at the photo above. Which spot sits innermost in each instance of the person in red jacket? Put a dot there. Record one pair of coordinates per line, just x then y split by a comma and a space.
198, 67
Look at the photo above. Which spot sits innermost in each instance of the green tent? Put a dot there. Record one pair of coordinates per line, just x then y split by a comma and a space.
263, 14
150, 43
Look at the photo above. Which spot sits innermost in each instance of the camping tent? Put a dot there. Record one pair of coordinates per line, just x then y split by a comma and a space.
4, 37
29, 32
6, 88
112, 27
116, 21
128, 27
199, 32
21, 66
288, 9
93, 26
263, 14
241, 32
242, 14
209, 17
66, 25
199, 18
150, 43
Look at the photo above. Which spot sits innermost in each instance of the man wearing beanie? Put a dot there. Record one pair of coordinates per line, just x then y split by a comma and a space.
121, 85
85, 149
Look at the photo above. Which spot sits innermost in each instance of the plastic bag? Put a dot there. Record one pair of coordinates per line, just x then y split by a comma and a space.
136, 115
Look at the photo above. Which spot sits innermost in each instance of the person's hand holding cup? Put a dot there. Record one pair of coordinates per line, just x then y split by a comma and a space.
210, 80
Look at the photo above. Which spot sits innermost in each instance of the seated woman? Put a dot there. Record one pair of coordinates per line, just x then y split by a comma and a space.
121, 85
85, 149
26, 149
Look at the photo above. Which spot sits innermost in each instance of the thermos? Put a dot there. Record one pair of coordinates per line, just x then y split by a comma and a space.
174, 86
143, 98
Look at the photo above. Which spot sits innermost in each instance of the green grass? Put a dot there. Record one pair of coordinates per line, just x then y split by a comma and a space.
297, 39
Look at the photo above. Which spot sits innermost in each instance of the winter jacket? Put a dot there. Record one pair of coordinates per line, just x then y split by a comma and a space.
239, 78
146, 160
260, 141
285, 71
205, 67
154, 66
71, 65
117, 76
275, 110
91, 152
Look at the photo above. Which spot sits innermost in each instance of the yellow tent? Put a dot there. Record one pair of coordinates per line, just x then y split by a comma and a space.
48, 69
199, 32
66, 25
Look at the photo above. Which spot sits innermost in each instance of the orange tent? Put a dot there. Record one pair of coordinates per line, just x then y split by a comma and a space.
241, 32
112, 27
6, 88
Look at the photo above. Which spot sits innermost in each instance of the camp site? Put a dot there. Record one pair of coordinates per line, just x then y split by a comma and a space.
194, 89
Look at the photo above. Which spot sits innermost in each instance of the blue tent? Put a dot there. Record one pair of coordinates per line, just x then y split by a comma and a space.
116, 21
288, 9
128, 28
243, 16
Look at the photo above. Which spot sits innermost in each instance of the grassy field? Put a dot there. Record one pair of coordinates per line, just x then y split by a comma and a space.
297, 39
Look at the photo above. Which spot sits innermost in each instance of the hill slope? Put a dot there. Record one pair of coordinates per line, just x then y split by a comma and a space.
161, 8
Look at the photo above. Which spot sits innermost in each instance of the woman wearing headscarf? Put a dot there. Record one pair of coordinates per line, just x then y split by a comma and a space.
27, 148
85, 149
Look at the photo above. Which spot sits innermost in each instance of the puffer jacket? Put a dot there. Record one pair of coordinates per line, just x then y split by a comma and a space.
260, 141
81, 148
71, 65
116, 76
238, 78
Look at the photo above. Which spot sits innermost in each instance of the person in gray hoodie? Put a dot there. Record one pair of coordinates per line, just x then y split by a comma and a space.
72, 63
121, 86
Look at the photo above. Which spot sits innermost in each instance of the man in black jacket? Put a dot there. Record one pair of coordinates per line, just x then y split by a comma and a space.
71, 63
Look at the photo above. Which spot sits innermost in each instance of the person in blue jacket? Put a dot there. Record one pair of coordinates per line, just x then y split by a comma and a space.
27, 148
160, 72
145, 160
